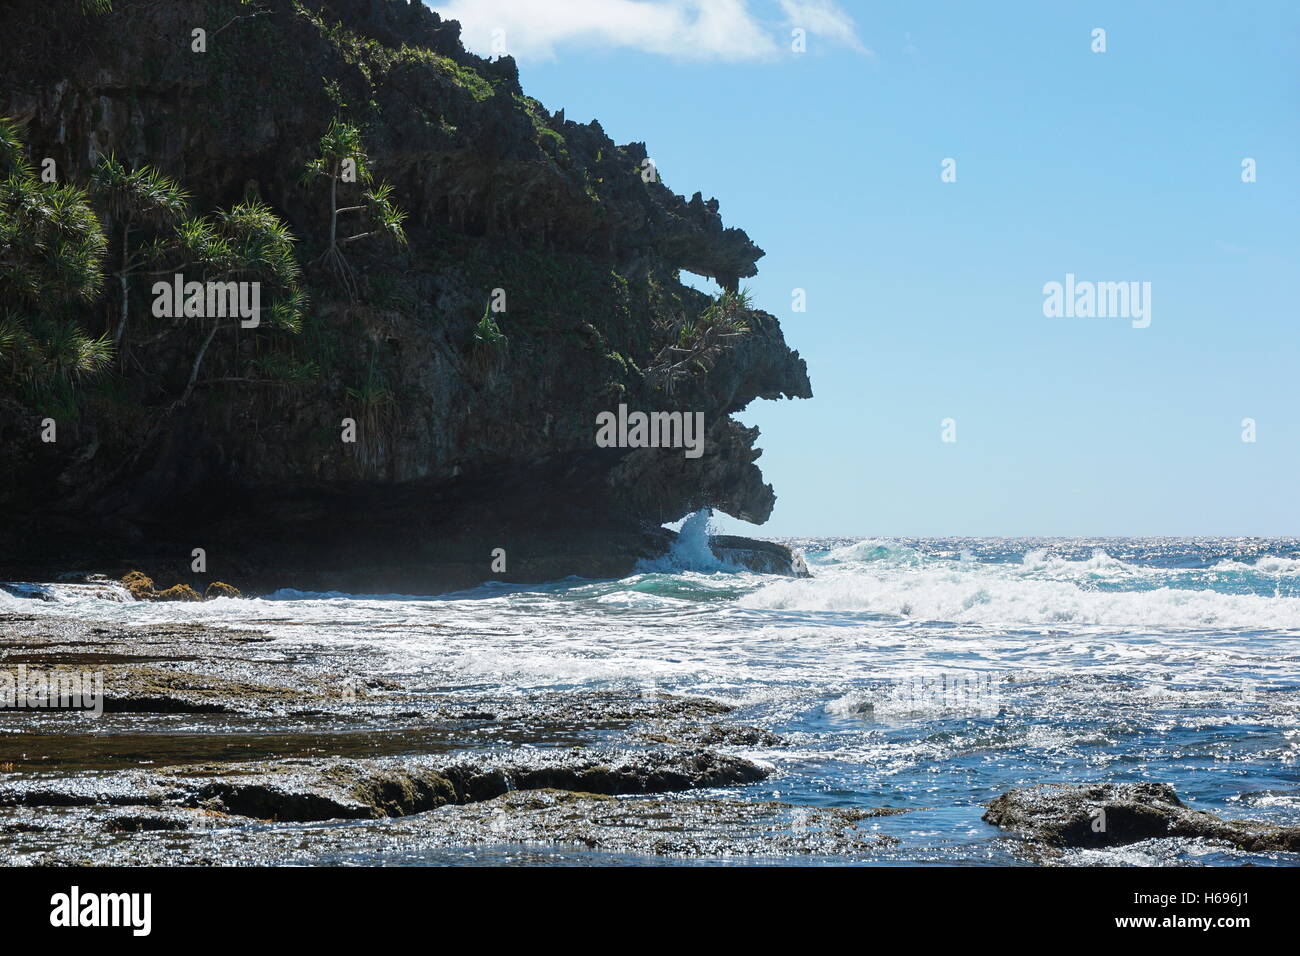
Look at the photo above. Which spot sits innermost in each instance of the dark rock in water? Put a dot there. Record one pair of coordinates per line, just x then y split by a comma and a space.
764, 557
654, 771
26, 591
149, 821
95, 586
716, 735
722, 734
301, 791
306, 790
1112, 814
221, 589
117, 790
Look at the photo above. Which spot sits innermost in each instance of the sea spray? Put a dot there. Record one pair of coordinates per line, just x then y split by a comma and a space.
691, 551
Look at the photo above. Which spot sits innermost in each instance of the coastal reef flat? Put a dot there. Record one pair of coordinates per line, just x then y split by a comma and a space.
217, 747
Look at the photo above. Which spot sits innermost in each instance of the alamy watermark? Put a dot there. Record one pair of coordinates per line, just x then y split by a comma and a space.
57, 689
626, 429
1101, 300
977, 695
74, 908
208, 300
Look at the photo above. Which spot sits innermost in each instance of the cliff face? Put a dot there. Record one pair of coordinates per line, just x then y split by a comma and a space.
460, 448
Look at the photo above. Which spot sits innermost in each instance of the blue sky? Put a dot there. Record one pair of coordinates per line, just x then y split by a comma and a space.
925, 298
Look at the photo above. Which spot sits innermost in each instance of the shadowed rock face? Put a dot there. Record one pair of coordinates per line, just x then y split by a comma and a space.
765, 557
1107, 815
474, 452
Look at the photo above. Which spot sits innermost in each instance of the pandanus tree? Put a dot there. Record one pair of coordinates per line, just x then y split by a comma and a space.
51, 256
343, 161
694, 344
246, 243
139, 201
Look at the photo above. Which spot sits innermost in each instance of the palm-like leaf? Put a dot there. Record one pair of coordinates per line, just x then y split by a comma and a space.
16, 340
487, 332
341, 141
13, 156
388, 218
51, 254
144, 195
67, 353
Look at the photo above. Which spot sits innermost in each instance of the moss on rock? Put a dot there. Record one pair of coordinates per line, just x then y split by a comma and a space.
140, 585
178, 592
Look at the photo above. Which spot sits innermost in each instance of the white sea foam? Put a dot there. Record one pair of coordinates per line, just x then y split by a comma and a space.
1043, 590
874, 609
875, 550
1042, 561
1265, 564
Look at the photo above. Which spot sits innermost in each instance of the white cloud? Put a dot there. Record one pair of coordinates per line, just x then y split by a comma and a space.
684, 29
824, 18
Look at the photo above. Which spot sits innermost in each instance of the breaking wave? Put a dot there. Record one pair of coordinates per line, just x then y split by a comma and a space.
1042, 588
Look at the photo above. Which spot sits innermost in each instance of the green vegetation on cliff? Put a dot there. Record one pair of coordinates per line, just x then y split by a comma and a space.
51, 266
343, 160
143, 201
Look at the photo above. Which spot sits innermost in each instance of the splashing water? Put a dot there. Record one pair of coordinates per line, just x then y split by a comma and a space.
690, 550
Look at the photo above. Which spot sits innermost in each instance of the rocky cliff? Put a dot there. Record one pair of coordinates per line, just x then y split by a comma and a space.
461, 447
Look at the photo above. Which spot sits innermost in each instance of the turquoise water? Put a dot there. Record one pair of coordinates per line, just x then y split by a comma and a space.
930, 674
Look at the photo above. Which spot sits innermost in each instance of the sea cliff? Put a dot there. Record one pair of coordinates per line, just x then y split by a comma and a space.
536, 286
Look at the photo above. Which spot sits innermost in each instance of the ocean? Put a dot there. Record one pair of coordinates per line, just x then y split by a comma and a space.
928, 674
